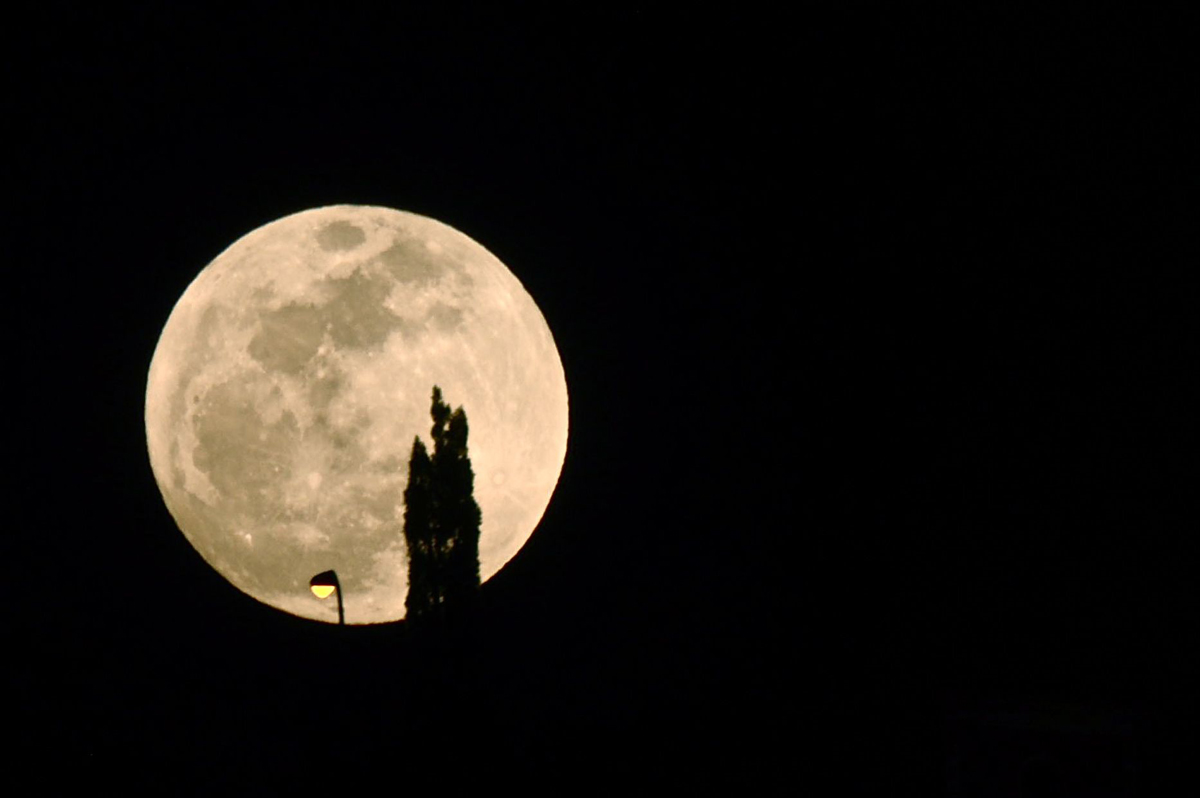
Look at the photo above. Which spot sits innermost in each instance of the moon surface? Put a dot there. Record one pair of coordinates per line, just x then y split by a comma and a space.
296, 369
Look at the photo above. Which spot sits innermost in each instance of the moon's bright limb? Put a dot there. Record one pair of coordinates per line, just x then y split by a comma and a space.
293, 374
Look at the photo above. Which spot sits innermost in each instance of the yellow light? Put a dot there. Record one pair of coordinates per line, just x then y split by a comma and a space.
322, 591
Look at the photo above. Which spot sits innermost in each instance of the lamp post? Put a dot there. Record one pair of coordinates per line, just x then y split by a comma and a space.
325, 583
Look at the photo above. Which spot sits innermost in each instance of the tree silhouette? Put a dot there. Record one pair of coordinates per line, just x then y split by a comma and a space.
424, 592
441, 520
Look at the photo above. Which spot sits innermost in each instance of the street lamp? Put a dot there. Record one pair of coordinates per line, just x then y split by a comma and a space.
324, 584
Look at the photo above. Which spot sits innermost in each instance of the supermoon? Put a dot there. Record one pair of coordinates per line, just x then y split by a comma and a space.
295, 371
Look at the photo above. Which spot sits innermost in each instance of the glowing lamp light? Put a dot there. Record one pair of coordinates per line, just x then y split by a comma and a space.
325, 584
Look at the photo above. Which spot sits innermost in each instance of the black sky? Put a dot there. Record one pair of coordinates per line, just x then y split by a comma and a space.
875, 330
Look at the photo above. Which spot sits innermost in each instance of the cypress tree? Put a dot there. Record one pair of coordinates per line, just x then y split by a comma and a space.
424, 593
440, 507
458, 515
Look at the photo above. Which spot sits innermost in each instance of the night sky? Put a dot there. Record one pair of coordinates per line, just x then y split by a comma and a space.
875, 331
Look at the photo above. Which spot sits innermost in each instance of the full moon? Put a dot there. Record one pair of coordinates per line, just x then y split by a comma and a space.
293, 375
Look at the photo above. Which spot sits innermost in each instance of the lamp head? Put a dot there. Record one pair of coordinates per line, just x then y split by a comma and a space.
323, 584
